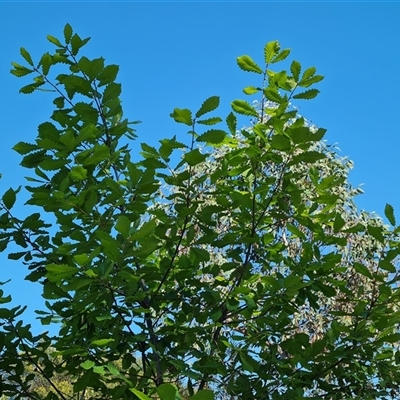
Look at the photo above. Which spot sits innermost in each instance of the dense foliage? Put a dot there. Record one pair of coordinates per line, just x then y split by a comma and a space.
233, 266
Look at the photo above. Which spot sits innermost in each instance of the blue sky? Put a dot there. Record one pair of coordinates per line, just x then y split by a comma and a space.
178, 54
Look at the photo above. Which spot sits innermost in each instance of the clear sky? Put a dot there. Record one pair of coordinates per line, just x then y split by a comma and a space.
178, 54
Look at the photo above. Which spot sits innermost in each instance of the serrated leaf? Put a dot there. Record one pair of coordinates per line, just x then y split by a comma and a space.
251, 90
54, 40
308, 73
111, 92
182, 115
246, 63
194, 157
210, 121
208, 105
244, 108
273, 95
280, 56
78, 173
24, 148
231, 121
67, 33
270, 50
108, 75
45, 62
9, 198
310, 81
26, 55
212, 136
295, 69
307, 95
389, 213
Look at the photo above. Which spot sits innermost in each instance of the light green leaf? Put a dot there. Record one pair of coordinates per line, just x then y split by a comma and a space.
141, 395
212, 136
244, 108
209, 105
145, 230
87, 364
273, 95
389, 213
102, 342
183, 116
246, 63
270, 50
280, 56
251, 90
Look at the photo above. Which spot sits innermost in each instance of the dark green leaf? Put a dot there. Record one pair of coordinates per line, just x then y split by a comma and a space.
231, 121
108, 75
308, 157
210, 121
204, 394
9, 198
295, 69
183, 116
54, 40
111, 92
67, 33
209, 105
389, 213
194, 157
212, 136
307, 95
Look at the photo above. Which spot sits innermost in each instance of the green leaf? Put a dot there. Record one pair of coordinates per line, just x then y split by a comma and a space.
389, 213
111, 92
295, 69
246, 63
87, 364
244, 108
141, 395
108, 75
273, 95
251, 90
231, 121
183, 116
57, 272
280, 56
166, 391
77, 43
102, 342
209, 105
270, 50
280, 142
212, 136
144, 231
194, 157
204, 394
46, 62
376, 232
307, 157
362, 269
307, 95
54, 40
67, 33
210, 121
338, 223
9, 198
123, 225
26, 55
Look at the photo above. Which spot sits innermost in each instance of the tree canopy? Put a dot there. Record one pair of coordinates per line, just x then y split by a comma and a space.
235, 265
